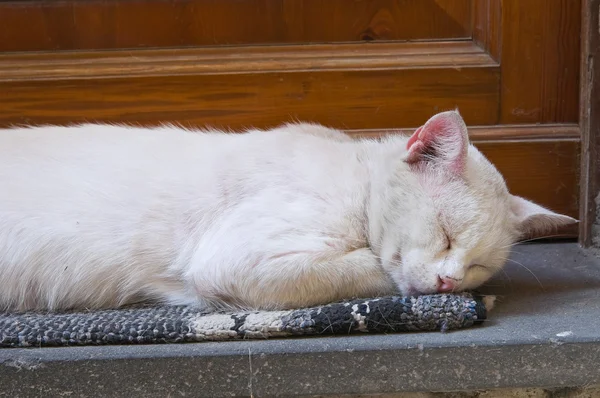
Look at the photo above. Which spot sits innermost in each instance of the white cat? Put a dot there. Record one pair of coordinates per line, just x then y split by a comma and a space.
97, 216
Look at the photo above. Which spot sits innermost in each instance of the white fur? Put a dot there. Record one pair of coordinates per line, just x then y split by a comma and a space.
97, 216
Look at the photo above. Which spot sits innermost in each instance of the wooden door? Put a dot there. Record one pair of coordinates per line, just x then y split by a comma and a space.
366, 66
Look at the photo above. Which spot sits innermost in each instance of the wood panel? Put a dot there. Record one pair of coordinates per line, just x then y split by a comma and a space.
346, 99
100, 24
540, 61
358, 89
545, 171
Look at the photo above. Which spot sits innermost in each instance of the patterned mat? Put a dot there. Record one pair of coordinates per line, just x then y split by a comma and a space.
178, 324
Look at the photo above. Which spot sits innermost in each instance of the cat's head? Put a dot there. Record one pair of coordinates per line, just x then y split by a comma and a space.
454, 230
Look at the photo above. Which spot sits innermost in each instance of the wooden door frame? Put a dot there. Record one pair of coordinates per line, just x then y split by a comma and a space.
589, 118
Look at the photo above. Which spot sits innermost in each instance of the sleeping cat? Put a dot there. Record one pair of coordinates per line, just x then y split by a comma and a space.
99, 216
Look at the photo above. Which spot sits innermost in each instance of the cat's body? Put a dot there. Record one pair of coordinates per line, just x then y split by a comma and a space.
99, 216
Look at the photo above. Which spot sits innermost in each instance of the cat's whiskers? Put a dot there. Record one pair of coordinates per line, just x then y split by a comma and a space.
500, 268
536, 238
506, 275
528, 269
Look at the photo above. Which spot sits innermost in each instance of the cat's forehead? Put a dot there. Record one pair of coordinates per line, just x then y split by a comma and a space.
456, 204
463, 206
481, 174
471, 202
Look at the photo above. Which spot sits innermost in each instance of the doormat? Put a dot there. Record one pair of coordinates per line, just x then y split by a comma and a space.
180, 324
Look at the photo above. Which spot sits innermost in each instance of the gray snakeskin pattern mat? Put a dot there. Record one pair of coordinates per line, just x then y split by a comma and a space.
178, 324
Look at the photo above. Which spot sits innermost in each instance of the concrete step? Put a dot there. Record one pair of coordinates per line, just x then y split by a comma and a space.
544, 333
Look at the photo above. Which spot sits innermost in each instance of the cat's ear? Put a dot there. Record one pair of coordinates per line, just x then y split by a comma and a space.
441, 142
534, 219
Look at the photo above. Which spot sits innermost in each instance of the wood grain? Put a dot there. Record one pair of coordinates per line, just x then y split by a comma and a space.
246, 59
487, 24
344, 86
545, 171
540, 61
100, 24
352, 99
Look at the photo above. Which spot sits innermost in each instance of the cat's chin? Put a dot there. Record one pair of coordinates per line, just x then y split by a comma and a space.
409, 291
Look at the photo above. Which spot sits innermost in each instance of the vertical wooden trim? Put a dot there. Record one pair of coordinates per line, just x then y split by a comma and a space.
486, 20
589, 118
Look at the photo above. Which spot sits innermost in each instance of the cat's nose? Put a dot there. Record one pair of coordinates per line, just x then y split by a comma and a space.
446, 285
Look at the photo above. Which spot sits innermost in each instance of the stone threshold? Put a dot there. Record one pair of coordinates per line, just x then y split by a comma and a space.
544, 333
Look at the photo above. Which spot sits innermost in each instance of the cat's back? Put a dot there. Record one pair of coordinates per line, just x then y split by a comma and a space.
113, 207
120, 146
90, 163
94, 214
113, 144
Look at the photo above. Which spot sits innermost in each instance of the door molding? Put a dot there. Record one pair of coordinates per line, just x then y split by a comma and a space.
589, 119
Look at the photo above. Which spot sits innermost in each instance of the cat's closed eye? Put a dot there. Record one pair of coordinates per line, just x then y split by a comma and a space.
448, 240
471, 266
448, 243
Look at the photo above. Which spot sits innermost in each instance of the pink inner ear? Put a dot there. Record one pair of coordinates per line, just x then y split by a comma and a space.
436, 129
413, 138
446, 131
